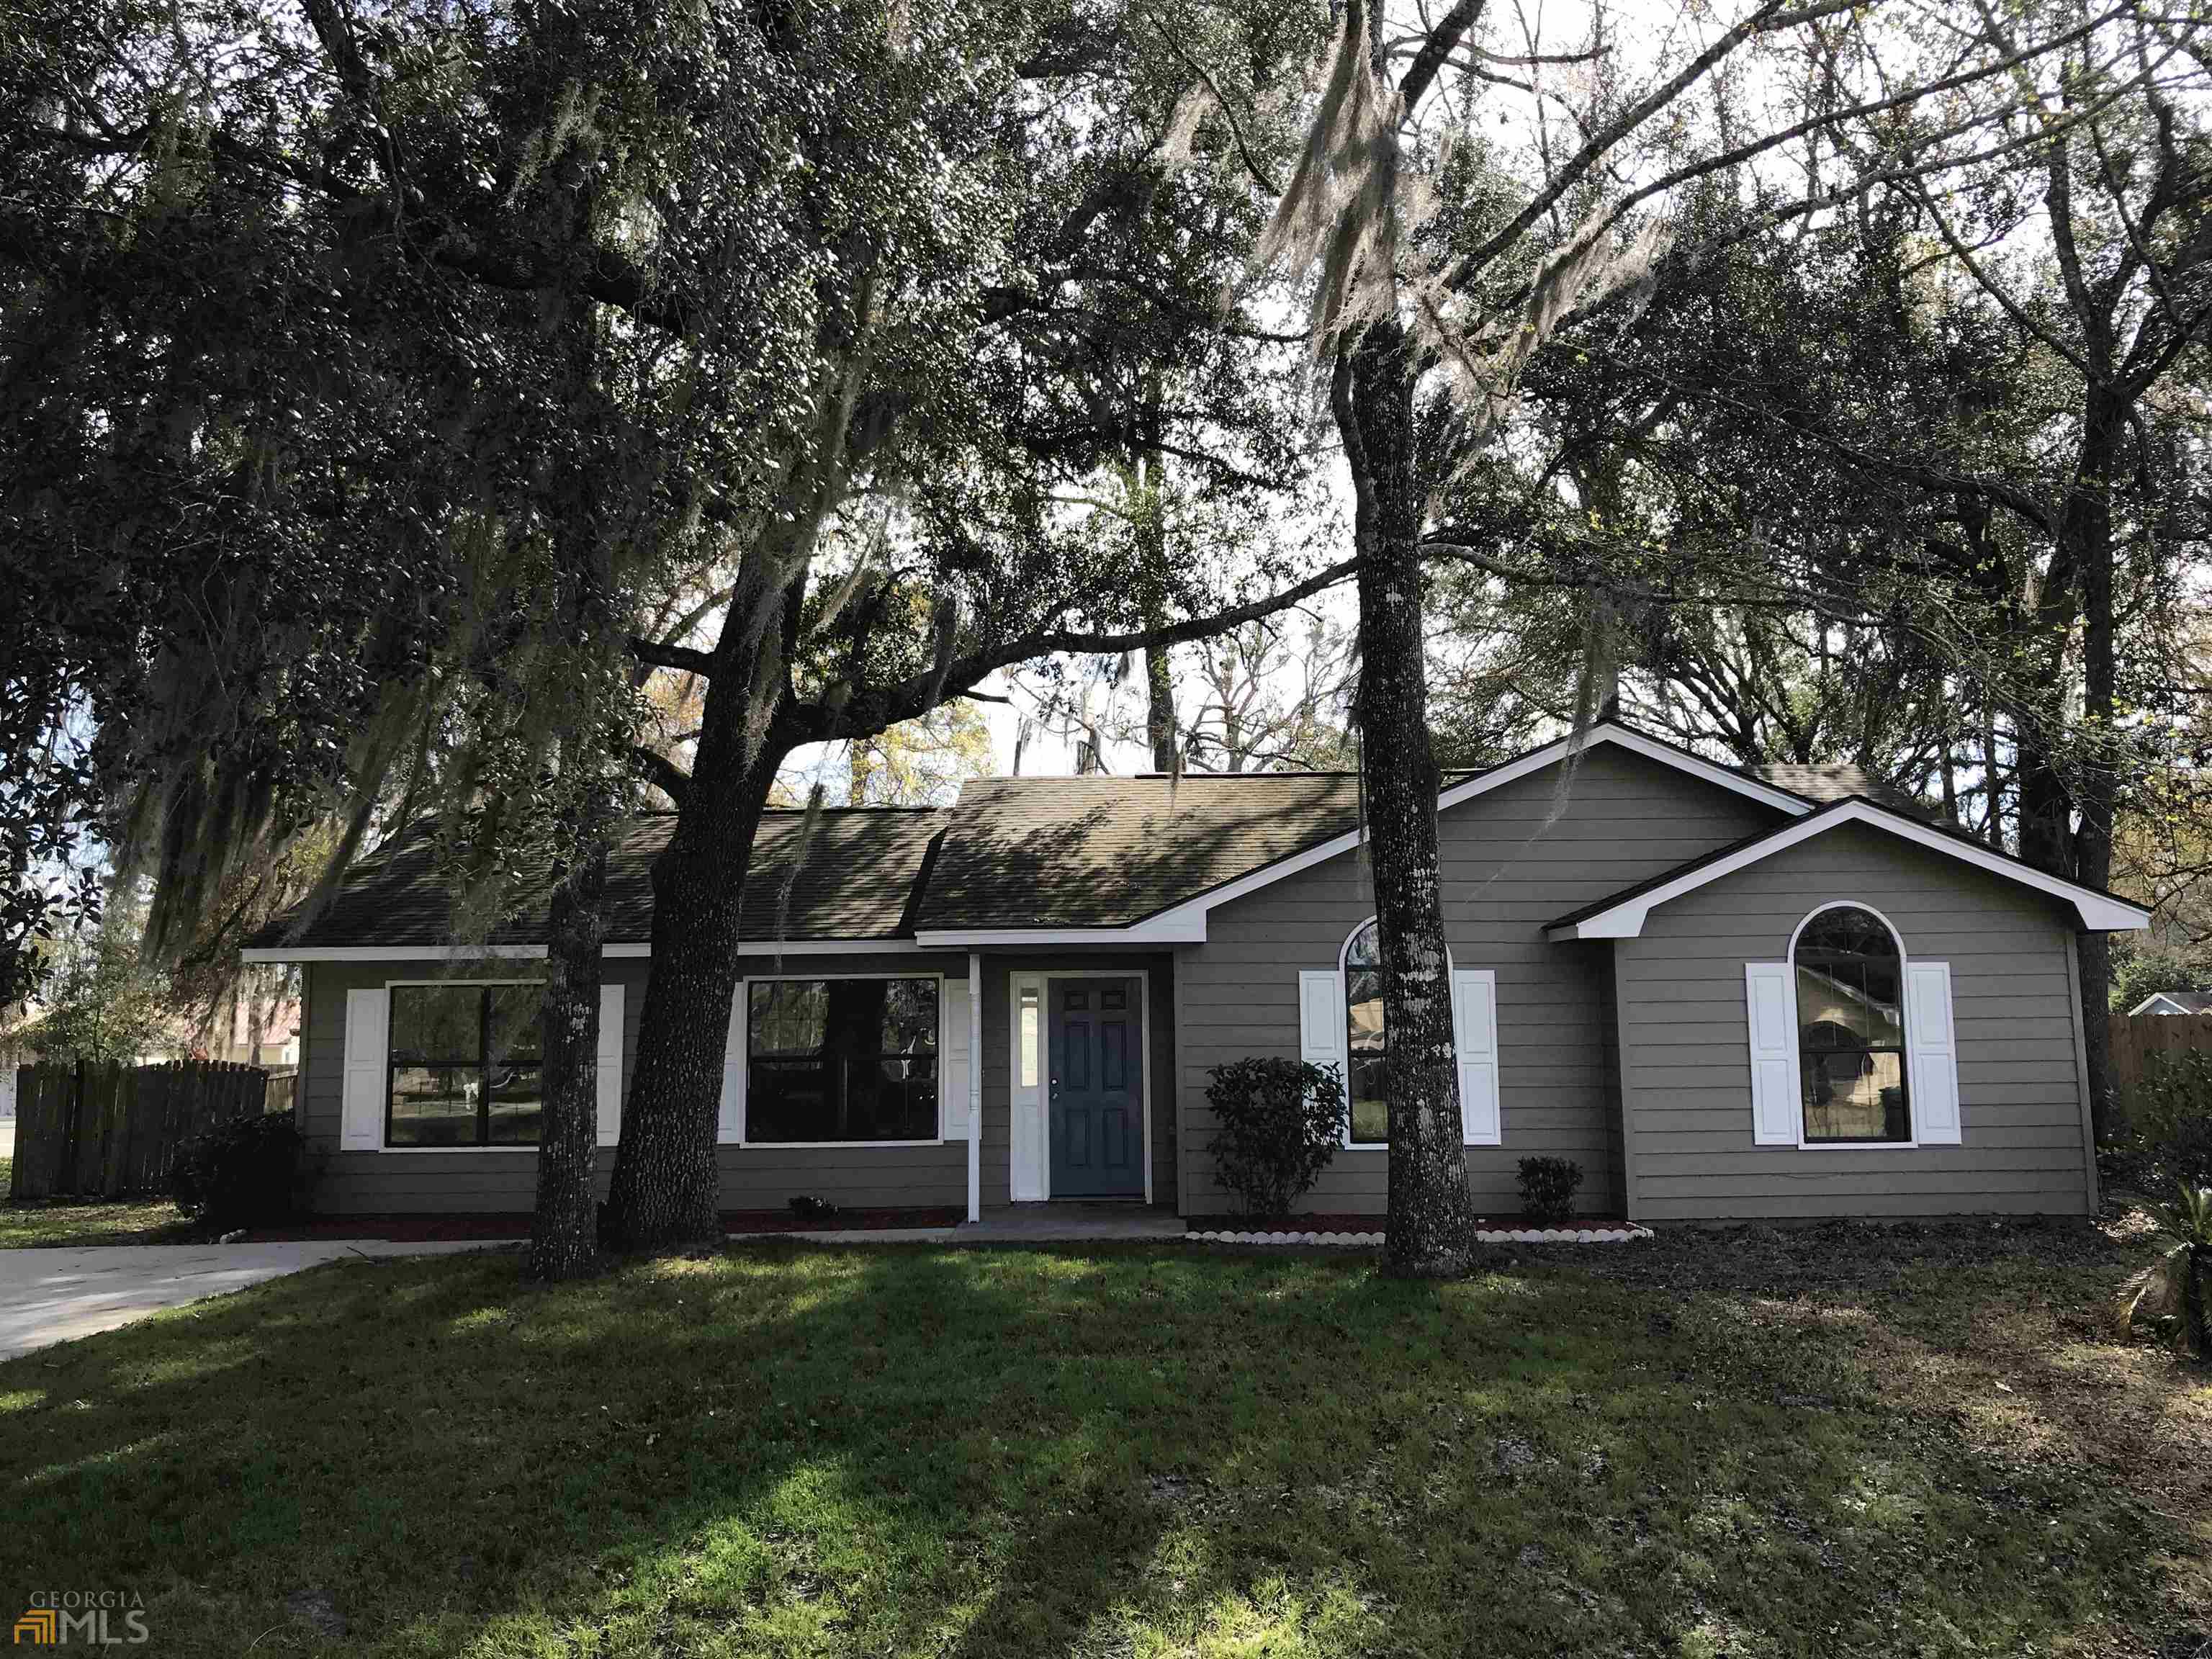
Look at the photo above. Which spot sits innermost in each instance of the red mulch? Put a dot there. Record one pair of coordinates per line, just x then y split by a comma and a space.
1365, 1224
782, 1221
438, 1229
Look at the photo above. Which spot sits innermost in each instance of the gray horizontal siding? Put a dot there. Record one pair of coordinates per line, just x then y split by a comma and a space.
1686, 1074
1511, 861
752, 1177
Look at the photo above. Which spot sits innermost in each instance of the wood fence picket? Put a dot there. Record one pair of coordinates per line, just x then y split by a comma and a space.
104, 1130
2137, 1038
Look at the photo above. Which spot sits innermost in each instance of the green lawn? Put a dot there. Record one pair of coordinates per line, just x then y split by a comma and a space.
1842, 1440
41, 1222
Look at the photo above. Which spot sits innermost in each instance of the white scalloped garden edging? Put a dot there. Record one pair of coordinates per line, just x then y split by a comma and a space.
1483, 1236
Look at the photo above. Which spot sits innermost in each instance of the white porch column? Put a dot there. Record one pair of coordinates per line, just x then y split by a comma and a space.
974, 1086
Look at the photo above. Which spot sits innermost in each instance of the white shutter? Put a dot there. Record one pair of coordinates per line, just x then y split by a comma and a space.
1321, 1024
1475, 1032
610, 1053
954, 1120
368, 1045
1933, 1051
1321, 1018
731, 1126
1770, 997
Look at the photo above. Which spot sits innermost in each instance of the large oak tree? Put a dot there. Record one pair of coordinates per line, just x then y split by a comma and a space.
1446, 255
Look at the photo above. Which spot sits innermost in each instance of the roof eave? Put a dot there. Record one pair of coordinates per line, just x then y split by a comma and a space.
1173, 928
1184, 922
615, 951
2099, 913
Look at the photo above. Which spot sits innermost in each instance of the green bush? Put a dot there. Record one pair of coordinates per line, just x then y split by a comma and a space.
1280, 1121
2167, 1138
1547, 1188
245, 1172
2174, 1293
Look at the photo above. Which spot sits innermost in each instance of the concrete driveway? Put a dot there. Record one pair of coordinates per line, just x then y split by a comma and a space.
49, 1296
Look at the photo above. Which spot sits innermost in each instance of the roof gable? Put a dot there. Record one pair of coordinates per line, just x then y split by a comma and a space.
1622, 915
1103, 860
2175, 1002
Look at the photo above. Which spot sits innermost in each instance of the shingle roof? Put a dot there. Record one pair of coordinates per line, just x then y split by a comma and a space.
2190, 1002
1015, 853
856, 880
1100, 852
1839, 780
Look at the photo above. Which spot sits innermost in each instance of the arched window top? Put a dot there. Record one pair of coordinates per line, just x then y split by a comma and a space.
1364, 949
1849, 965
1853, 928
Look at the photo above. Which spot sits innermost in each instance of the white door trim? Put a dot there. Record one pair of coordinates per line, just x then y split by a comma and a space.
1041, 1106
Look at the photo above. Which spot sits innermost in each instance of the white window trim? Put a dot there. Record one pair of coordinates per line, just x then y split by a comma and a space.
1041, 1102
383, 1118
741, 1013
1904, 1027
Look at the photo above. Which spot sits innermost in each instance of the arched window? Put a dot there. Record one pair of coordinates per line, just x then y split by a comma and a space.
1849, 972
1365, 1038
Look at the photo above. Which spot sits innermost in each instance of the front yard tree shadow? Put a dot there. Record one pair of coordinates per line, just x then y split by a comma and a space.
1000, 1453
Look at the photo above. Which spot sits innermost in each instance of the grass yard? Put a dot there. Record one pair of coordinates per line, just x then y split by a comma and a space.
1845, 1440
39, 1222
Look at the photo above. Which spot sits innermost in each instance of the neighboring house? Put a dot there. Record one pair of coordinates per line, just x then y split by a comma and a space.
1725, 996
2174, 1002
234, 1040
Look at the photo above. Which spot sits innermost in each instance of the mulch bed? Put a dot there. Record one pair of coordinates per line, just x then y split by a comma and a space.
442, 1229
783, 1221
1333, 1222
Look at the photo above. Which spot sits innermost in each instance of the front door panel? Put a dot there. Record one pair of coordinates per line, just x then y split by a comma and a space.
1096, 1099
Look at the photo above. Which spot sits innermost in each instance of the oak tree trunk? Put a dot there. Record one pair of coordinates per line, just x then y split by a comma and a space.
1431, 1227
2089, 519
564, 1227
1159, 709
666, 1186
2066, 820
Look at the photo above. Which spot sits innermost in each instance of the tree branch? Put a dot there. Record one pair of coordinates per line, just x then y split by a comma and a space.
1228, 112
682, 657
1436, 49
871, 709
663, 774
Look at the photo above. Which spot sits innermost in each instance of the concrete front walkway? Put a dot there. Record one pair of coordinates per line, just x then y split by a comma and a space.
49, 1296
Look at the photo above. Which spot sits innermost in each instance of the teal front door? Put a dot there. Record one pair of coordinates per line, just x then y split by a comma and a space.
1097, 1110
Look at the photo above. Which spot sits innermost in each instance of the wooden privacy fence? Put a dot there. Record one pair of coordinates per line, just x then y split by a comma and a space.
102, 1131
2136, 1037
284, 1092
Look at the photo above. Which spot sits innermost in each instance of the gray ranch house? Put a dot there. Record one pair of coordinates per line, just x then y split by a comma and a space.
1726, 994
